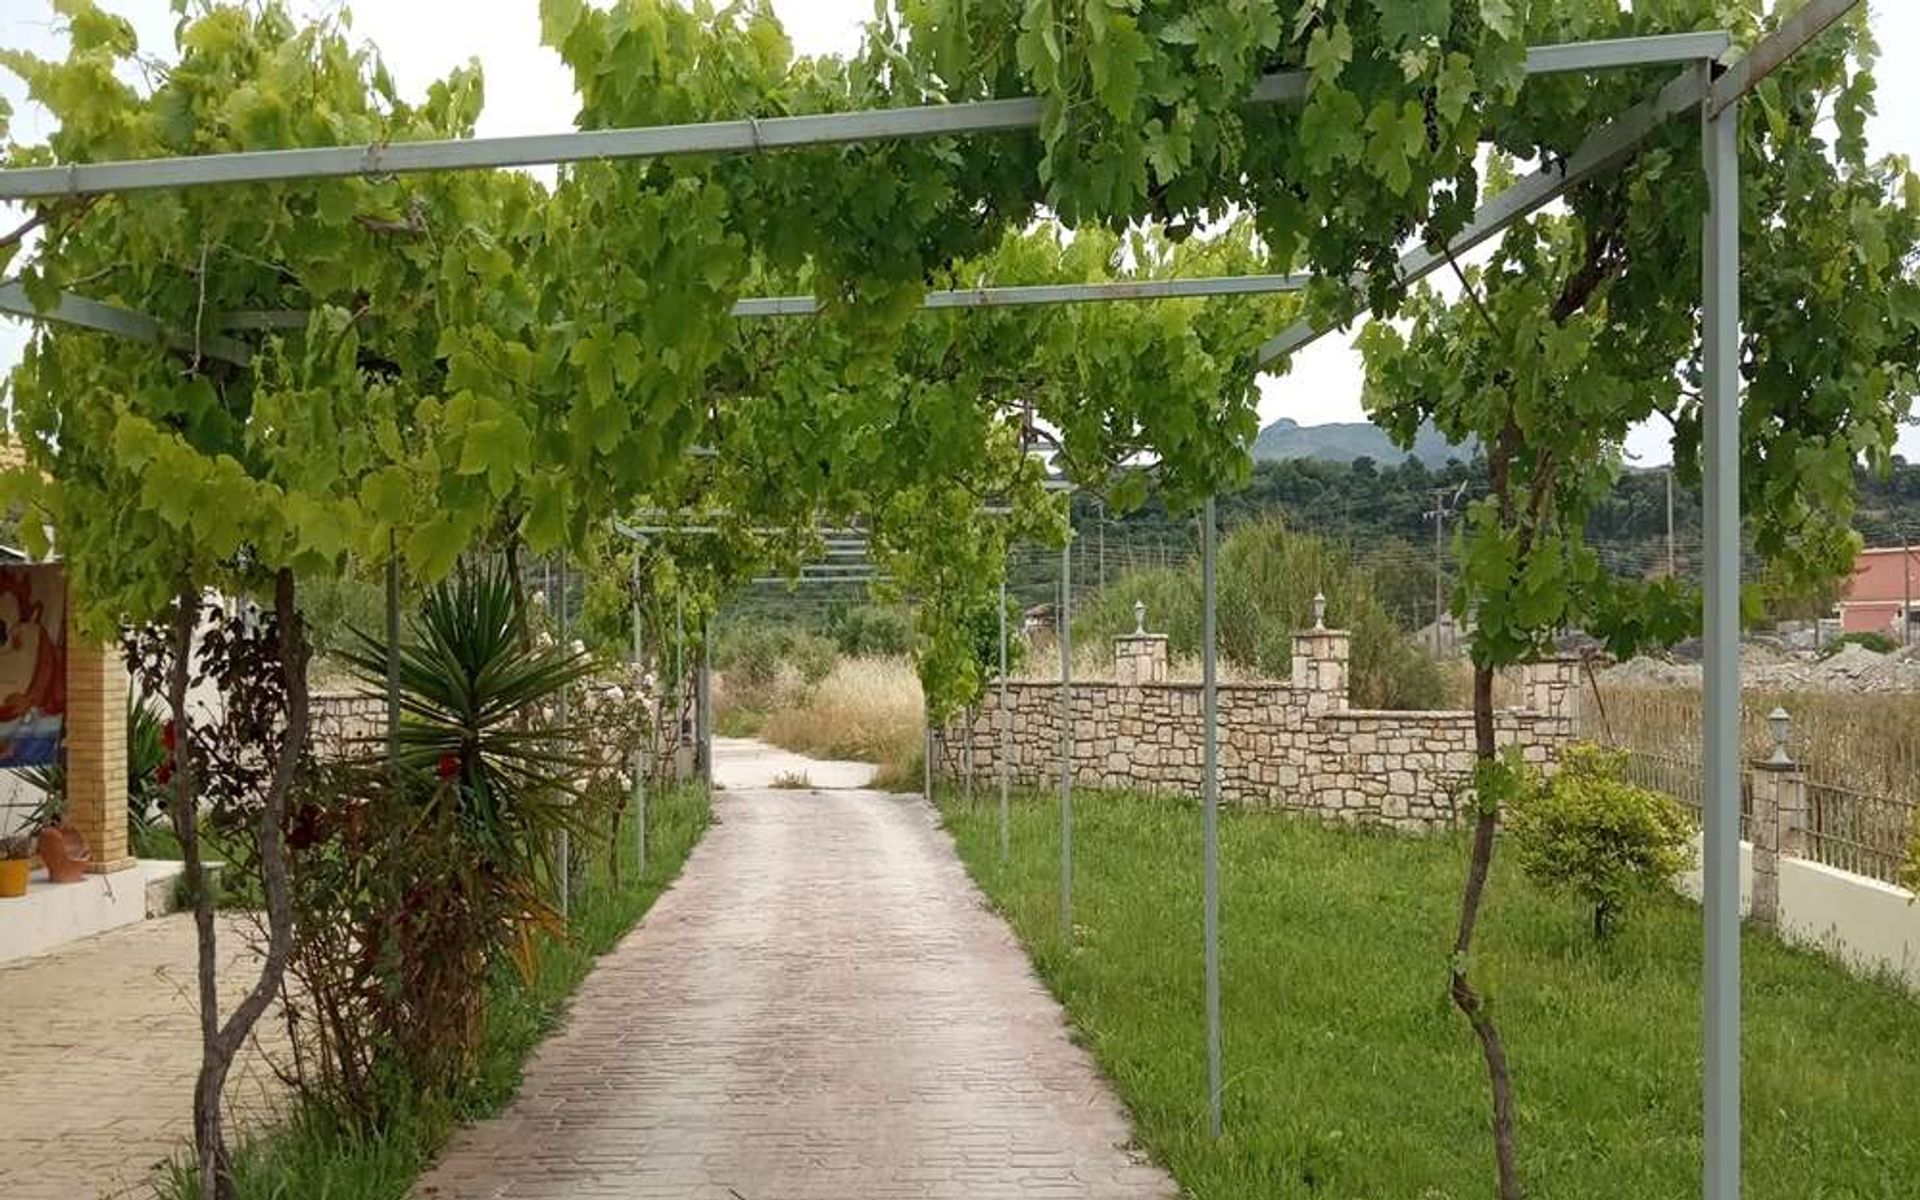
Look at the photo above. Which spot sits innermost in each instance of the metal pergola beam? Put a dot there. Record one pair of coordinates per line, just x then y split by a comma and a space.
1767, 55
639, 531
1604, 148
749, 136
1020, 296
106, 318
1060, 293
1599, 152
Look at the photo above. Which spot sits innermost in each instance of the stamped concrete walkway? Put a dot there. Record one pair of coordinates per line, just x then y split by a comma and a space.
99, 1043
822, 1009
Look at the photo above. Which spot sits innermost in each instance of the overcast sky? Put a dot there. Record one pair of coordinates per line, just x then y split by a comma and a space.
528, 91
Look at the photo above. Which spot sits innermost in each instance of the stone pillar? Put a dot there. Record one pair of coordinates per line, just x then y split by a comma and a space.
1778, 831
1320, 658
96, 740
1139, 659
1551, 687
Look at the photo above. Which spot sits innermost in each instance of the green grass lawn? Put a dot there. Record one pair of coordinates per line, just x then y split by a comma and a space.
313, 1157
1350, 1075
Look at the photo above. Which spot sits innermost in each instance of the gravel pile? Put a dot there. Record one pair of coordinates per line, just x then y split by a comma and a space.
1853, 668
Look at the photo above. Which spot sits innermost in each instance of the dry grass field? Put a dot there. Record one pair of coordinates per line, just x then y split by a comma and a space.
867, 709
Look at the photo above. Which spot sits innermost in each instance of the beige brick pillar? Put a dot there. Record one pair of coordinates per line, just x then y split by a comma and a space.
1320, 666
97, 753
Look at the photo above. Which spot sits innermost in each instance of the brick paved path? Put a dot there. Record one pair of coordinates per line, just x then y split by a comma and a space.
823, 1009
99, 1044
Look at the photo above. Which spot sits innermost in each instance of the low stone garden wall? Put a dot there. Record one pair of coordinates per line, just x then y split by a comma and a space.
1293, 745
345, 723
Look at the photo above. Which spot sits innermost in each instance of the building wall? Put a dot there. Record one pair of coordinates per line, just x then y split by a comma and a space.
1292, 745
1870, 618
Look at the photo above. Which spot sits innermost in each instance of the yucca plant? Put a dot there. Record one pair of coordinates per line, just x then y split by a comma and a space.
416, 878
477, 702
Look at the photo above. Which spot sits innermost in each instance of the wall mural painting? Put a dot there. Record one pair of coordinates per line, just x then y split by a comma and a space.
33, 664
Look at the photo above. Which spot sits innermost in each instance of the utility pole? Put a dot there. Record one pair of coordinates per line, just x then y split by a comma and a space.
1672, 569
1443, 506
1439, 515
1906, 585
1439, 577
1103, 541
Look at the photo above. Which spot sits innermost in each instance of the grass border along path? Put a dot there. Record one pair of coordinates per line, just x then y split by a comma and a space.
313, 1157
1350, 1076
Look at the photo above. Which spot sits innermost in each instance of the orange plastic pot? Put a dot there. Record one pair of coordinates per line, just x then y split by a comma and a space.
13, 876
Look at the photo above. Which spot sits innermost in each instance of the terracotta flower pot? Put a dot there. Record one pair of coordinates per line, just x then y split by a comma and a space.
13, 876
65, 853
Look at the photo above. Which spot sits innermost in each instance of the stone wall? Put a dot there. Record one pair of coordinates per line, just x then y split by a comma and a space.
344, 723
1294, 745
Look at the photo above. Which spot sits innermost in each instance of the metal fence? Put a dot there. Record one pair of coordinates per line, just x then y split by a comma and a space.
1678, 776
1857, 831
1861, 755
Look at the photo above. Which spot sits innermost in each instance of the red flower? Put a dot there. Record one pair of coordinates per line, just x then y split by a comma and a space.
163, 774
167, 737
448, 766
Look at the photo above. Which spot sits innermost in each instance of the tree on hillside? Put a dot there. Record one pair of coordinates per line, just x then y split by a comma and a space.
1581, 328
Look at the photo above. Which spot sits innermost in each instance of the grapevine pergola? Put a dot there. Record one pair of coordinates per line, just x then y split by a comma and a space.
1703, 85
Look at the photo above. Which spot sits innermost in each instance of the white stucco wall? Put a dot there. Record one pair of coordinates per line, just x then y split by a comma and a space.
1690, 882
1869, 925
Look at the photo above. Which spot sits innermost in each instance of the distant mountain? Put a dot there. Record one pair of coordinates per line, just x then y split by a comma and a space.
1288, 438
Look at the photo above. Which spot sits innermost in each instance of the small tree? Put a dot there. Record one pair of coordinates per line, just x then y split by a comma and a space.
1580, 329
1589, 833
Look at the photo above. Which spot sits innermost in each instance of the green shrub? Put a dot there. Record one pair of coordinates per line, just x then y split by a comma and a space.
872, 631
1589, 833
1879, 643
753, 654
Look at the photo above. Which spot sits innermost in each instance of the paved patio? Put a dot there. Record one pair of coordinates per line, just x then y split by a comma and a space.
102, 1044
822, 1008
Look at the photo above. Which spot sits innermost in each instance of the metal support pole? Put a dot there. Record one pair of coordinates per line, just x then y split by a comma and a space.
679, 682
640, 756
966, 755
393, 655
1006, 737
1210, 804
703, 704
1439, 561
1066, 731
1720, 328
563, 841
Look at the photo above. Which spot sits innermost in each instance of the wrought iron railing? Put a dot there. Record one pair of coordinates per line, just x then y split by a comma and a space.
1857, 831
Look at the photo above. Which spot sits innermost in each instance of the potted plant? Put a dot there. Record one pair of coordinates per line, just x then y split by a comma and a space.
62, 850
16, 864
